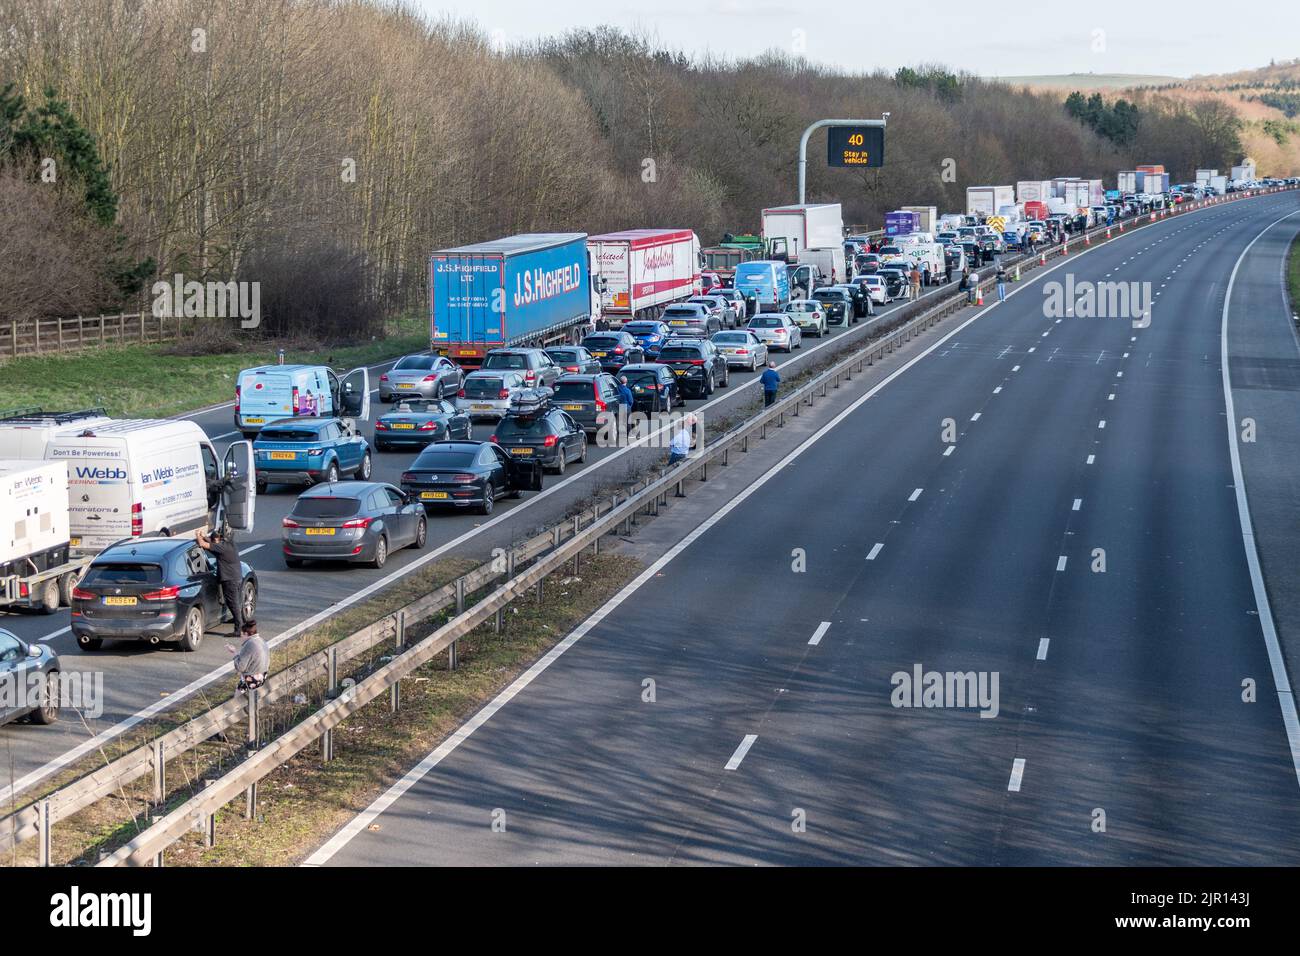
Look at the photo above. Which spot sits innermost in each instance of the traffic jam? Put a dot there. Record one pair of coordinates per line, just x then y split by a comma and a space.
158, 532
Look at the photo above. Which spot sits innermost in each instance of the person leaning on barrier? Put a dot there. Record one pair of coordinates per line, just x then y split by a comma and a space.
252, 658
680, 446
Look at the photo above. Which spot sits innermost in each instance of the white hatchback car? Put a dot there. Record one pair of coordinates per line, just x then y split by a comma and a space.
809, 315
778, 330
875, 286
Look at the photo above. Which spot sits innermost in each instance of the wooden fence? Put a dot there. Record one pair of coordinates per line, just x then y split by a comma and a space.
22, 338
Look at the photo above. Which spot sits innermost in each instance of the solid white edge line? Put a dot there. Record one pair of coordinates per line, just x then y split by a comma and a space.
739, 755
53, 634
818, 634
1286, 700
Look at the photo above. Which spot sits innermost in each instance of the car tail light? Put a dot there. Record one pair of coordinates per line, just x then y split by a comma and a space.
81, 595
550, 441
428, 426
288, 523
504, 393
529, 376
137, 520
358, 523
461, 393
462, 479
570, 368
295, 399
493, 439
600, 405
162, 594
381, 426
315, 452
742, 351
236, 399
618, 350
410, 476
383, 377
697, 361
430, 378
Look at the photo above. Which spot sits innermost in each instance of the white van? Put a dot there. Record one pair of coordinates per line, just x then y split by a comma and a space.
270, 392
125, 478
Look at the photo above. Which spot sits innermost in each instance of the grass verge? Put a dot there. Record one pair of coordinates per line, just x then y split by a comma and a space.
154, 381
1293, 275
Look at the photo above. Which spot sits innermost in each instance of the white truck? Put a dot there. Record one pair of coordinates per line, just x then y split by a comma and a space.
929, 217
1244, 173
1033, 190
638, 272
1127, 181
926, 253
807, 234
36, 569
985, 201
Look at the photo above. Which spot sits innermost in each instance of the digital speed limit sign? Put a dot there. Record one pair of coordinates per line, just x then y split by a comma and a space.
855, 146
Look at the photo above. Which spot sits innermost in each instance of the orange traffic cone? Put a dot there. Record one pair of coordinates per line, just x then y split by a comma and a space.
1042, 257
979, 296
1087, 240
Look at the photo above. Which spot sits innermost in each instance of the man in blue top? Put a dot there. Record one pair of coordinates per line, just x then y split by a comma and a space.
624, 394
771, 380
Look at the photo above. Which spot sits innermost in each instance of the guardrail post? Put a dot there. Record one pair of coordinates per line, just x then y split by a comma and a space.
681, 491
332, 685
577, 555
47, 841
250, 795
744, 443
209, 825
704, 472
159, 761
452, 655
399, 642
460, 595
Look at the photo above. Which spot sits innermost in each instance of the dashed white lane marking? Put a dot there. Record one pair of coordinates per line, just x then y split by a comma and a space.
1119, 374
916, 494
1032, 348
1102, 423
998, 389
1110, 397
1078, 503
1060, 563
53, 634
1042, 648
743, 749
226, 435
1015, 368
875, 550
976, 417
1017, 774
822, 628
948, 451
251, 549
1125, 355
1091, 459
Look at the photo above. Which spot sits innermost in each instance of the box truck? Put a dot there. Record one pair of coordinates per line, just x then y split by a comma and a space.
1153, 182
1033, 190
987, 200
36, 569
639, 271
1243, 173
929, 217
1128, 181
531, 289
1203, 176
808, 234
1219, 184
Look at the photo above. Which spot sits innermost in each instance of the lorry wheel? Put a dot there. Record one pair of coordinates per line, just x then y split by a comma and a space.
192, 636
67, 584
49, 596
89, 643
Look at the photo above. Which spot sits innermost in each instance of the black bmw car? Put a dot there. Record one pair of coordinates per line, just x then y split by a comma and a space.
160, 590
416, 423
468, 474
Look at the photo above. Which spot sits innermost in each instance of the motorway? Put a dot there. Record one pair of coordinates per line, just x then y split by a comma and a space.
139, 681
1121, 734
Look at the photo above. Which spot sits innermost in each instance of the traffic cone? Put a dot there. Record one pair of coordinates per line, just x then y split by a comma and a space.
979, 296
1016, 277
1108, 232
1042, 257
1087, 240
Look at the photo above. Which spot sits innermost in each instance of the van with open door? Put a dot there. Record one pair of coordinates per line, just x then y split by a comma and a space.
271, 392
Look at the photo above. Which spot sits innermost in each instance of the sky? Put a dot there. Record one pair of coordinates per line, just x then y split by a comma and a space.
1100, 36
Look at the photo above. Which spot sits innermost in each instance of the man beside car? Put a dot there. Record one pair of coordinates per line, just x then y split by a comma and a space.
229, 572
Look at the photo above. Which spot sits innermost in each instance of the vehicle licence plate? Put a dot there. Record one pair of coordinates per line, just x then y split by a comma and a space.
600, 354
120, 601
481, 408
319, 530
679, 371
254, 421
74, 542
572, 408
406, 426
677, 322
433, 495
521, 451
283, 456
405, 385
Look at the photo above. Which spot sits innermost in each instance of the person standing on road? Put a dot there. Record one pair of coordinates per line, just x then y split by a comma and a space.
229, 573
252, 657
1002, 284
771, 380
624, 397
916, 282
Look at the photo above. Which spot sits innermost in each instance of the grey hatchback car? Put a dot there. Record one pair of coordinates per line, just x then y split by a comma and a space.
355, 521
420, 376
29, 680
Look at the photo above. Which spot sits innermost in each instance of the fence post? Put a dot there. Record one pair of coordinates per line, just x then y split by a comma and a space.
159, 773
142, 333
47, 842
332, 683
460, 595
250, 795
395, 692
36, 327
209, 825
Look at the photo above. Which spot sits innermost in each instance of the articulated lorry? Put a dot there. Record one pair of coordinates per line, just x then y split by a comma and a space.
808, 234
985, 201
528, 290
640, 271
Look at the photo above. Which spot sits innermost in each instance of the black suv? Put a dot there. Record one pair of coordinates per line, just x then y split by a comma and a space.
535, 365
699, 366
614, 349
153, 589
548, 436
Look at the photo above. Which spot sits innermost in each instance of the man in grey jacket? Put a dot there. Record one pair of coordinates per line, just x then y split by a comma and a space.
252, 658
